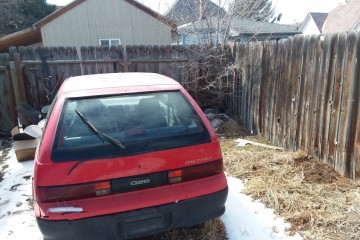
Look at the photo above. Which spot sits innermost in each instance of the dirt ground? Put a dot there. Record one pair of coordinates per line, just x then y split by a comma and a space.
318, 202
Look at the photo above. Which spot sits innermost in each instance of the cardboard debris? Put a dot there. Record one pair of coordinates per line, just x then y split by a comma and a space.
25, 150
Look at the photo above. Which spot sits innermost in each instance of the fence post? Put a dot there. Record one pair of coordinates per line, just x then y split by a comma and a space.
125, 61
17, 79
12, 105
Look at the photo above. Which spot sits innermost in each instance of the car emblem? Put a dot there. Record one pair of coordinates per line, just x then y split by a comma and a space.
140, 182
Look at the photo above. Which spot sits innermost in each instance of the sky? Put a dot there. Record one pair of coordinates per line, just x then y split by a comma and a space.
293, 11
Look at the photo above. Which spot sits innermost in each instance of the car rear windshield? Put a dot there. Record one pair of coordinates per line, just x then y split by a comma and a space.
124, 125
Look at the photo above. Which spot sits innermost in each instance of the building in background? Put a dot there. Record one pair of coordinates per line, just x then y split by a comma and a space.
313, 23
188, 11
93, 23
344, 18
213, 31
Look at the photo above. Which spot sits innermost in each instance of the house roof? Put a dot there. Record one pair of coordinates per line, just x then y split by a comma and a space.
319, 19
239, 26
24, 37
75, 3
248, 26
343, 18
187, 11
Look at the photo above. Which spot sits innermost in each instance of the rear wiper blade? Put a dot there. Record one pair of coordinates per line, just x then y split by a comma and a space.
101, 135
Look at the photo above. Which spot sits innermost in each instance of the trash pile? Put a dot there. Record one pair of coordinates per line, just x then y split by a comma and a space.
223, 125
215, 119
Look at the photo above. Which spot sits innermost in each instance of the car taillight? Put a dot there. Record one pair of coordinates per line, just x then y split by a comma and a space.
72, 192
196, 172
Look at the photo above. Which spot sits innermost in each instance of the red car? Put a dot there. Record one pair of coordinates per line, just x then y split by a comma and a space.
125, 155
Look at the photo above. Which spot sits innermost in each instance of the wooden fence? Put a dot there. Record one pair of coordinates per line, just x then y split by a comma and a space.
6, 95
33, 80
300, 93
64, 62
303, 93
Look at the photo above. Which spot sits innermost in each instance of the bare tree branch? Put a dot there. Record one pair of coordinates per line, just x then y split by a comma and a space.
211, 58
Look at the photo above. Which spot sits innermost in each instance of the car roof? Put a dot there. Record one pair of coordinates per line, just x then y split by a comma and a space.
123, 82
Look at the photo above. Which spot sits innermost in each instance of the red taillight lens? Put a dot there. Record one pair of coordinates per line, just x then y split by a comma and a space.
73, 192
196, 172
175, 176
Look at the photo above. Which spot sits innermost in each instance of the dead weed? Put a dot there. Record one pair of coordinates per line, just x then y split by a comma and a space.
231, 128
317, 201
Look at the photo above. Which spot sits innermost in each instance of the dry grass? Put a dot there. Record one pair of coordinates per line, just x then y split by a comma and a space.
231, 128
318, 202
211, 230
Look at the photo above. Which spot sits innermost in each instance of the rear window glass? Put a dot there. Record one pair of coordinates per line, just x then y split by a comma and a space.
91, 128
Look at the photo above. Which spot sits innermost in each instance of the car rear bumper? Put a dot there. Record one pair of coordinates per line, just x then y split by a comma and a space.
138, 223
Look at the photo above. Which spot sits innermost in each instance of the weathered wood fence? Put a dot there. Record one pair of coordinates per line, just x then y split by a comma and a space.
24, 70
303, 93
300, 93
6, 93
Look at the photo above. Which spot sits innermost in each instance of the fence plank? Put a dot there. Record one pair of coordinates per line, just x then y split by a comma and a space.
315, 98
353, 130
264, 86
345, 106
302, 97
322, 95
272, 89
279, 93
17, 78
328, 101
247, 88
92, 56
309, 87
7, 119
296, 79
286, 117
337, 99
255, 90
107, 67
242, 73
286, 102
11, 97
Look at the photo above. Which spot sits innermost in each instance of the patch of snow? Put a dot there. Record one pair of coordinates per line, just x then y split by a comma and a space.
17, 220
247, 219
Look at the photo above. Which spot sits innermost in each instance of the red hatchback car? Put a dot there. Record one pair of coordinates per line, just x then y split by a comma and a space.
125, 155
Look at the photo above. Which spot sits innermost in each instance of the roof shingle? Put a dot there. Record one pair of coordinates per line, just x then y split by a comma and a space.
343, 18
